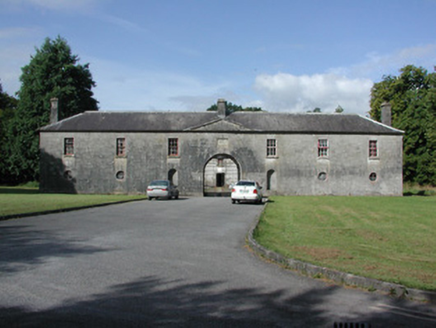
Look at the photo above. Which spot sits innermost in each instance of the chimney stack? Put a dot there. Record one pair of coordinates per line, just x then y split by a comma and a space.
54, 110
222, 110
386, 113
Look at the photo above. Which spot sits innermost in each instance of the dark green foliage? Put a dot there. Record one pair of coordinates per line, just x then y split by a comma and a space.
339, 109
52, 72
235, 108
8, 105
413, 99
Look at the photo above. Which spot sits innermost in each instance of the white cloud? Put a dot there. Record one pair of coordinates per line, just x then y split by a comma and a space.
52, 4
17, 45
348, 87
290, 93
124, 88
377, 65
122, 23
16, 32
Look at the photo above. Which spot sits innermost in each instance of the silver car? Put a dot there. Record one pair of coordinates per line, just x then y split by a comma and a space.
162, 189
246, 190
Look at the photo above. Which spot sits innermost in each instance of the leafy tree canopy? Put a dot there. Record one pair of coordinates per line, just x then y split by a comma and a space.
52, 72
8, 105
412, 96
339, 109
235, 108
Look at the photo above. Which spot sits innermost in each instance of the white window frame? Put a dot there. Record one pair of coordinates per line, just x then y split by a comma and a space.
271, 150
323, 150
171, 147
371, 150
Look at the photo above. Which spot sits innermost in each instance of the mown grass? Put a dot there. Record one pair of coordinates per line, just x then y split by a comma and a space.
386, 238
20, 200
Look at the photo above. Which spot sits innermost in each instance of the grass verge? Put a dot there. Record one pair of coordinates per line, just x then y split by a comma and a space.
20, 200
386, 238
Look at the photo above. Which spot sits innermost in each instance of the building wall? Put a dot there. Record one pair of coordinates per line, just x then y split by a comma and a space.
295, 170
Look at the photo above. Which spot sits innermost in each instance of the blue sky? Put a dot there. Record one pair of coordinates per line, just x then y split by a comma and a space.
182, 55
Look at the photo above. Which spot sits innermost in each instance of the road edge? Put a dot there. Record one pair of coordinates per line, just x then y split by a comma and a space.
338, 277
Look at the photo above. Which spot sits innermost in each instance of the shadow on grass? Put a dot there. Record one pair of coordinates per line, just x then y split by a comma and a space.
18, 190
426, 193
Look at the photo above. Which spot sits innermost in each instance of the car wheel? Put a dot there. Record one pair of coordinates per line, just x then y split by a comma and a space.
233, 201
150, 198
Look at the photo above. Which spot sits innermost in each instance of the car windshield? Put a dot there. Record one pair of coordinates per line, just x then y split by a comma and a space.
159, 183
245, 183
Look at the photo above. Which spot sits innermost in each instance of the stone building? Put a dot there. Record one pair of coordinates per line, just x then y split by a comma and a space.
205, 153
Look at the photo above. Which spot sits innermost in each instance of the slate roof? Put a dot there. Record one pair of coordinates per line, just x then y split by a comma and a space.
261, 122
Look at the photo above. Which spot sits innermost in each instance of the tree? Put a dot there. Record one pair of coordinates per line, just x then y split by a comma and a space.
339, 109
52, 72
235, 108
413, 99
8, 105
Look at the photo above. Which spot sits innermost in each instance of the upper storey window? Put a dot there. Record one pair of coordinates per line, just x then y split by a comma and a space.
373, 149
69, 146
173, 147
121, 147
323, 148
271, 148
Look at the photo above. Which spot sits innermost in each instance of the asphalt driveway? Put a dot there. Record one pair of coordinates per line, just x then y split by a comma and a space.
169, 263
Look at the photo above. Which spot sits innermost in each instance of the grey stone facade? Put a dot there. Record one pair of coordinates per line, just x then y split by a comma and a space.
204, 153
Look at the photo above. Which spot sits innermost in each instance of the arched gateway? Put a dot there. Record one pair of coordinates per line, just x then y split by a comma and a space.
219, 173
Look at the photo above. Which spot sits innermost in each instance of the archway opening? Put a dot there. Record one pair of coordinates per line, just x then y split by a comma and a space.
173, 176
220, 173
271, 183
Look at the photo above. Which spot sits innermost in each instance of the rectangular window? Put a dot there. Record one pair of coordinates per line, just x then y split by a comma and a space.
173, 147
69, 146
373, 151
323, 148
271, 148
121, 147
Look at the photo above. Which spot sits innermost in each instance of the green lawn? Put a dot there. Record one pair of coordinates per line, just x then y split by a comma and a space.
387, 238
18, 200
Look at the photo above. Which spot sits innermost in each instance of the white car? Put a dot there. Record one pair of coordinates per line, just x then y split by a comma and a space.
246, 190
162, 189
